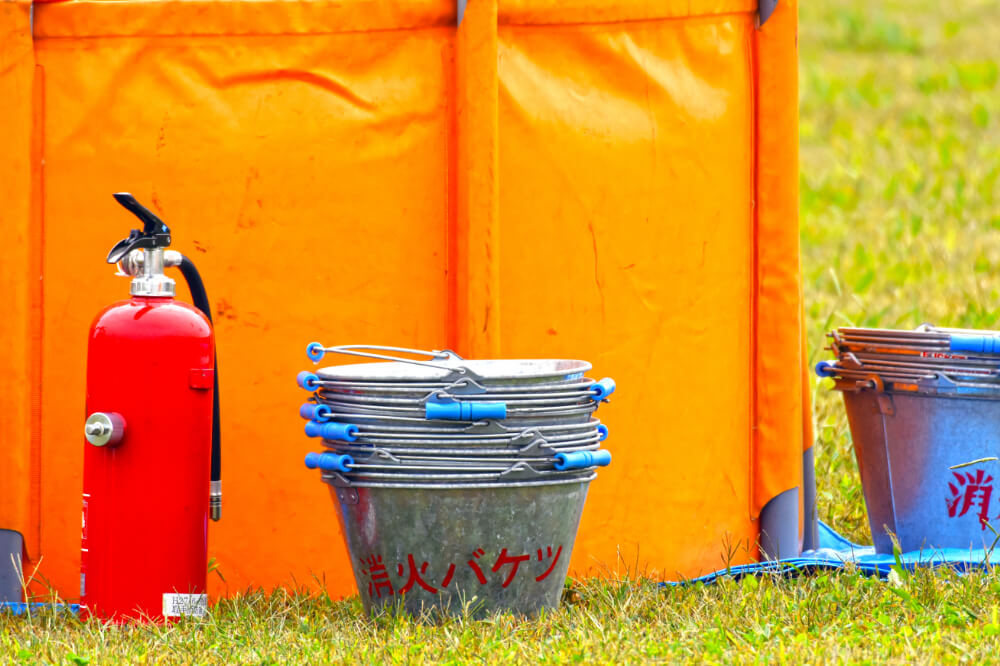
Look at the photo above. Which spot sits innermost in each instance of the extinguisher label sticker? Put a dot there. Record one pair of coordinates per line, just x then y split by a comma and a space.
83, 520
175, 605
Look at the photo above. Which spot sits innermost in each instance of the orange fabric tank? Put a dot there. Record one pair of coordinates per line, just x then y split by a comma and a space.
612, 181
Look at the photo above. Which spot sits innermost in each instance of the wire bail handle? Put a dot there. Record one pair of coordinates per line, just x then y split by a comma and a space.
315, 352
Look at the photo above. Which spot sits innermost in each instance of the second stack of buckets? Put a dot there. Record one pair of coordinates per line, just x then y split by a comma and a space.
459, 484
924, 411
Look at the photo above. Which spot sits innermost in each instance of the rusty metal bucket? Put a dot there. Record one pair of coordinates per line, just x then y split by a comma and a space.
920, 403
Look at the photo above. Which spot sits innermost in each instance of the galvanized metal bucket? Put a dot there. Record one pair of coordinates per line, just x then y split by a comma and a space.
912, 423
459, 484
476, 549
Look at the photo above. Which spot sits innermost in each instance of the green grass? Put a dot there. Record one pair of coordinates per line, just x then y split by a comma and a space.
900, 136
844, 617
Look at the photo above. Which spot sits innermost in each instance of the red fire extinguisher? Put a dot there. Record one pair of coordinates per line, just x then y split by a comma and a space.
152, 459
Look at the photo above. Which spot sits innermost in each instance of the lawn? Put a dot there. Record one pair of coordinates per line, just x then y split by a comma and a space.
900, 137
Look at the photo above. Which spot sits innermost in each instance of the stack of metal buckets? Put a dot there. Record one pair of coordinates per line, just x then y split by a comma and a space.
459, 484
923, 404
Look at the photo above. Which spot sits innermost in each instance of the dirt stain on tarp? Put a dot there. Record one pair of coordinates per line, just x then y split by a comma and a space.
243, 219
224, 310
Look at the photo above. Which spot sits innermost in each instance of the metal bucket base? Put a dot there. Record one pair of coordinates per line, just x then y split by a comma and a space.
905, 445
469, 551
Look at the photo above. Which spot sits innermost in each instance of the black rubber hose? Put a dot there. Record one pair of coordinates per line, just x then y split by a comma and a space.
200, 299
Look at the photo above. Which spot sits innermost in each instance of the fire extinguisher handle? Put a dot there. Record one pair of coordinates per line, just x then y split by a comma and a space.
154, 232
151, 223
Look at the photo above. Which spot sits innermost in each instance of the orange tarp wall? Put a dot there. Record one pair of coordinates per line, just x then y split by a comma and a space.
613, 181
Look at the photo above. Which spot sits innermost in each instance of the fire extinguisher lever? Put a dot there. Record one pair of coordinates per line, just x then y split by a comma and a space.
155, 233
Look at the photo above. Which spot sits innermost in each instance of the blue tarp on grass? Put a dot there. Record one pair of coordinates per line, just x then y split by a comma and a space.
19, 607
836, 552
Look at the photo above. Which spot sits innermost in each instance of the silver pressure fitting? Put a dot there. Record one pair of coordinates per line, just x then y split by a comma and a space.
104, 428
145, 266
215, 500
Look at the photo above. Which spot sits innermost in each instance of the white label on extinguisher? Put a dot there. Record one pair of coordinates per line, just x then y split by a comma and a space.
84, 551
175, 605
83, 519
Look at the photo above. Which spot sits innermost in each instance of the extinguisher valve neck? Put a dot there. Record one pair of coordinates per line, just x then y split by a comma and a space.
151, 281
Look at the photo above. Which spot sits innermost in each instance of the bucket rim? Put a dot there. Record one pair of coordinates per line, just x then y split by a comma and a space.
950, 389
484, 369
339, 482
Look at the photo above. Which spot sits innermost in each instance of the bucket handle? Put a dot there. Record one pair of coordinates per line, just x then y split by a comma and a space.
315, 352
520, 467
447, 408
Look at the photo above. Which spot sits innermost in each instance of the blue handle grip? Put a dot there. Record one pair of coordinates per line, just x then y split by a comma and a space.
583, 459
602, 389
315, 351
307, 380
311, 412
465, 411
344, 432
980, 344
602, 430
330, 462
826, 368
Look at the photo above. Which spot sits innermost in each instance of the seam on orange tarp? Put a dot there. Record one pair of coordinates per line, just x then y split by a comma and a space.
40, 34
477, 187
754, 272
215, 35
693, 18
184, 18
775, 219
35, 322
451, 183
16, 81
